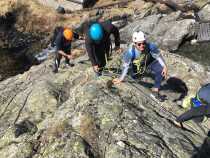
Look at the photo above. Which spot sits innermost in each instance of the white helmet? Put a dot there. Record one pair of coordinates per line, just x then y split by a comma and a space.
138, 37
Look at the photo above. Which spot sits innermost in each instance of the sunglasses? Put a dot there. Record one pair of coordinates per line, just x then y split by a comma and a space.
195, 102
139, 44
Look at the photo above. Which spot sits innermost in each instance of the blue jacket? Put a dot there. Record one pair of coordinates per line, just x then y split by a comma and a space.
132, 53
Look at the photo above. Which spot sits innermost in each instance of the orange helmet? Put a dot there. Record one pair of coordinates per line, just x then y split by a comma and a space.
68, 34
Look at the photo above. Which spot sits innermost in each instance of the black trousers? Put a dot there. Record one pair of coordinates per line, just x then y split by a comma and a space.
97, 53
57, 60
196, 112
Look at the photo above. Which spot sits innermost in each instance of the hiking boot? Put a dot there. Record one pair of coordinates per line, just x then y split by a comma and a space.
98, 74
55, 70
156, 95
68, 64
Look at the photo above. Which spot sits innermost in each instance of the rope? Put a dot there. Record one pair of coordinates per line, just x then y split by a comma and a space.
170, 116
108, 68
141, 69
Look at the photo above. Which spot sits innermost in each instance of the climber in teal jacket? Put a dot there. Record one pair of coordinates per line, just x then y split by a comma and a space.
143, 53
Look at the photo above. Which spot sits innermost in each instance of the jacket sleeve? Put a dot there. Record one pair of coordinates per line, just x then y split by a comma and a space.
115, 32
126, 64
111, 29
81, 28
155, 52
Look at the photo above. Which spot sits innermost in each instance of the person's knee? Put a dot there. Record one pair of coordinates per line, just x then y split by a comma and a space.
158, 77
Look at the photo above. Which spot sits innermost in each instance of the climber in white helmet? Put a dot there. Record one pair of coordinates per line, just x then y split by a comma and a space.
143, 53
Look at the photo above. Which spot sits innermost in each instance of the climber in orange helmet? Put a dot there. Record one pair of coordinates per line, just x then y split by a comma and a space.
62, 39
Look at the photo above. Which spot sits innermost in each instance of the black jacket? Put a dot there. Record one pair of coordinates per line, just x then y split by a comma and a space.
97, 50
61, 43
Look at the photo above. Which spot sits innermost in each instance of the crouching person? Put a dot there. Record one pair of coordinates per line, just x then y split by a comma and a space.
198, 104
98, 42
150, 58
62, 42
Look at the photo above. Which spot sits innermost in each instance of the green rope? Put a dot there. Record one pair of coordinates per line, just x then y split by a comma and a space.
140, 68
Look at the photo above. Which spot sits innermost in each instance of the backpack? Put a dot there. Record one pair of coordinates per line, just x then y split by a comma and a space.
57, 30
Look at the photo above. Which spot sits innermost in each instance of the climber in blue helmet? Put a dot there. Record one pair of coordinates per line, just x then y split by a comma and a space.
98, 43
96, 32
199, 105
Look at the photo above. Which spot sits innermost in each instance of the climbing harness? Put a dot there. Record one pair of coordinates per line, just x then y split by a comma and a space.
140, 69
108, 68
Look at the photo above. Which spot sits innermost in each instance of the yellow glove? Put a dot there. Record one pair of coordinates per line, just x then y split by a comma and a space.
186, 104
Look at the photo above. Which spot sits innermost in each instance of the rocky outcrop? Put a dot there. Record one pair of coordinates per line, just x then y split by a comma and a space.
168, 31
204, 13
24, 28
67, 5
73, 114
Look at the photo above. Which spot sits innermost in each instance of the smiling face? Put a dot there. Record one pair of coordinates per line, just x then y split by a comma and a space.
140, 45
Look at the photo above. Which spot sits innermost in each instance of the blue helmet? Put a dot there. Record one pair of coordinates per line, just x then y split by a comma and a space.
96, 32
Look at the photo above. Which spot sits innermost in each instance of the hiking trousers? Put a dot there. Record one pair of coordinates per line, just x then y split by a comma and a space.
156, 69
195, 112
57, 61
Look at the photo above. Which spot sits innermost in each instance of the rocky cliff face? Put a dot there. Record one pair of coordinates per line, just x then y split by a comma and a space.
73, 114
